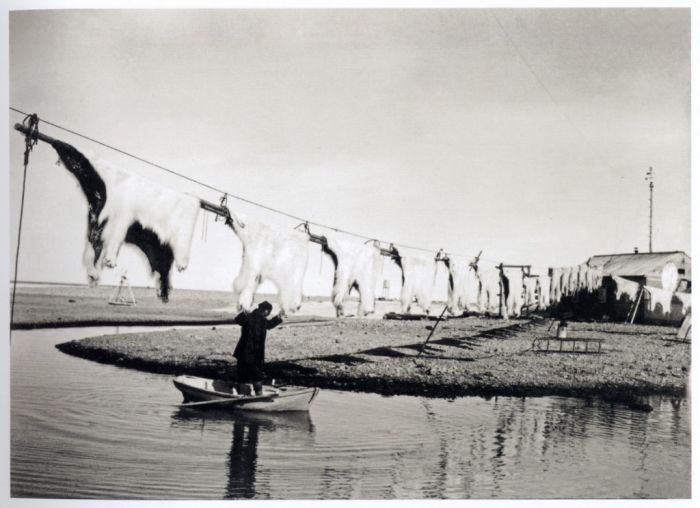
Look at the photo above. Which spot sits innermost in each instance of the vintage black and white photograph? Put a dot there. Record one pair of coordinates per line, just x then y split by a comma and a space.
349, 253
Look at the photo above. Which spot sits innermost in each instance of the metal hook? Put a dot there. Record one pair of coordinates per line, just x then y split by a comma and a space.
231, 219
306, 227
223, 202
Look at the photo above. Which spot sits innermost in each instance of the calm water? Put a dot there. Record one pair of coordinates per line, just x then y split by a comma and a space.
85, 430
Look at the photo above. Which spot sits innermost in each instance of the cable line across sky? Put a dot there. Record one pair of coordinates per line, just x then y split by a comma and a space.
240, 198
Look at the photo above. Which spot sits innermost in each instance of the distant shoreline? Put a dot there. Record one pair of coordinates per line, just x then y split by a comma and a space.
62, 306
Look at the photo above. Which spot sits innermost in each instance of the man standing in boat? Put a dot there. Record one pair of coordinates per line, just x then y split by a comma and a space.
250, 350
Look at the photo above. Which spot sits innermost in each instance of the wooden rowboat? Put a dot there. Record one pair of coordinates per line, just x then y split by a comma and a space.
203, 392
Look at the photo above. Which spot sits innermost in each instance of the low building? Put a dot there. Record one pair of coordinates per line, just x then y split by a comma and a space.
665, 277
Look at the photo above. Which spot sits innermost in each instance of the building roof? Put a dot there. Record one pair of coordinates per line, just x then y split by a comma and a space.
640, 264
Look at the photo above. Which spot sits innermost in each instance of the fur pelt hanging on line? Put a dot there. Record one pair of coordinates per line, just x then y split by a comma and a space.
418, 279
545, 283
357, 266
463, 286
532, 289
279, 256
514, 300
123, 207
490, 283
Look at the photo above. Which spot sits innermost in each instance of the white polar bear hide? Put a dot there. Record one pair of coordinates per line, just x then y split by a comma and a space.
531, 293
686, 300
545, 291
356, 266
555, 285
270, 254
625, 288
513, 277
580, 282
596, 278
575, 284
661, 297
581, 278
490, 279
418, 278
566, 281
591, 278
123, 207
463, 287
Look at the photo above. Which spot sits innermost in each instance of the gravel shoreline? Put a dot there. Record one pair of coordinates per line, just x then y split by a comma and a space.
466, 356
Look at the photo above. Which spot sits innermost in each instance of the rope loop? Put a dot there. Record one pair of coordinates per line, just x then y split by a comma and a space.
30, 140
32, 136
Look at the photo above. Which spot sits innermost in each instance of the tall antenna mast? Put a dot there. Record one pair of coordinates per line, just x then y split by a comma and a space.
649, 177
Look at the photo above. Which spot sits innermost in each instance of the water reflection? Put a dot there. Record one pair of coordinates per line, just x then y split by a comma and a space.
567, 447
243, 459
122, 439
246, 430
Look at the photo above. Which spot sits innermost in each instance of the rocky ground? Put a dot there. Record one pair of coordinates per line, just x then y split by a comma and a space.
466, 356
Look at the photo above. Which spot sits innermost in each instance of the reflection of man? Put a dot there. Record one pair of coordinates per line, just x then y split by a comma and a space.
250, 350
243, 460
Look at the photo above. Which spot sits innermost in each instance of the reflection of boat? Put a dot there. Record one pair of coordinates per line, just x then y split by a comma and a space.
296, 421
250, 431
203, 392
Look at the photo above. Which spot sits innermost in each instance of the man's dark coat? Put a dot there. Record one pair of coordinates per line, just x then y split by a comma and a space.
250, 349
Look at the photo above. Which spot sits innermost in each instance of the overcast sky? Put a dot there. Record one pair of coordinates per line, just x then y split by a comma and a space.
522, 133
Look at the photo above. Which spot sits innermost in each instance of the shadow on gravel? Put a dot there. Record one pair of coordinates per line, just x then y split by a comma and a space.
385, 351
458, 342
451, 358
344, 359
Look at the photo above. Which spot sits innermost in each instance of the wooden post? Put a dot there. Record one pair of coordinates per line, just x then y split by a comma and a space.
431, 332
640, 295
42, 137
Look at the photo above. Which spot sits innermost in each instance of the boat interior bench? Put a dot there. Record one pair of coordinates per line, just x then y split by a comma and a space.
568, 345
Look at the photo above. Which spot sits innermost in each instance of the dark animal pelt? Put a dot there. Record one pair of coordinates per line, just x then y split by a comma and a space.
158, 251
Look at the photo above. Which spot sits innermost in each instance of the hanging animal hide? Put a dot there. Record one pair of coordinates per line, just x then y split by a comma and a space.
575, 280
269, 254
492, 285
555, 290
357, 266
596, 278
545, 291
532, 291
590, 279
418, 279
625, 287
686, 301
126, 208
661, 298
463, 287
584, 278
513, 277
567, 281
